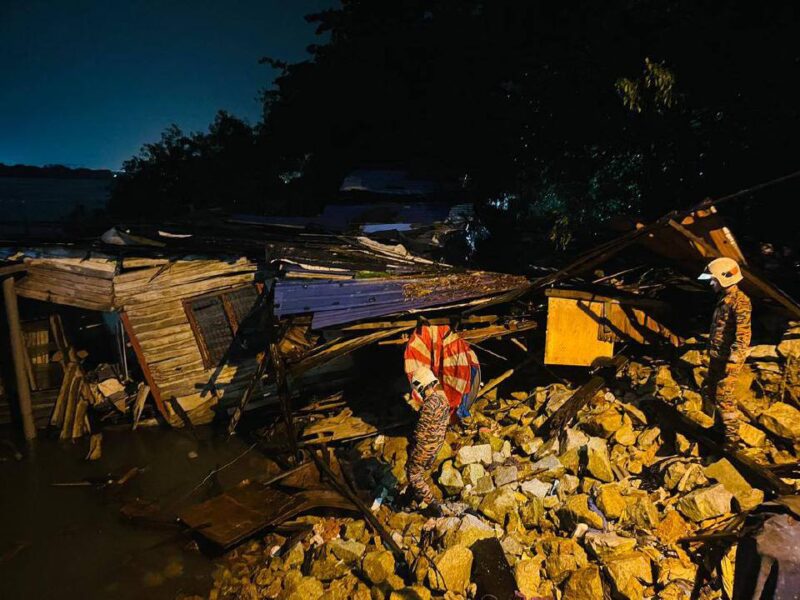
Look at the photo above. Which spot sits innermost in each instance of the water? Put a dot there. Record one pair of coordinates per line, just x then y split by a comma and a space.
31, 199
73, 542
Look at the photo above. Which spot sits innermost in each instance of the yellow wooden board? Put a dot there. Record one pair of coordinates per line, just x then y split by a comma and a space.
572, 332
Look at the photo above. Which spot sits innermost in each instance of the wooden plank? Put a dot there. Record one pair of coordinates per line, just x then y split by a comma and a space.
57, 417
186, 290
48, 272
104, 269
572, 333
18, 354
175, 275
561, 419
137, 349
341, 348
592, 297
255, 380
80, 417
66, 300
73, 396
247, 510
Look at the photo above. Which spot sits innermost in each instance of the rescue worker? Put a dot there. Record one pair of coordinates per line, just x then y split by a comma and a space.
728, 344
429, 435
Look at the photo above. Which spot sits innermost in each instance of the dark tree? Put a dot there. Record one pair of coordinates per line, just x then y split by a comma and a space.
554, 116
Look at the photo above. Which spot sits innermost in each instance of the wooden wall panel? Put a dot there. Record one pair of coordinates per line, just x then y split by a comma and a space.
153, 297
572, 333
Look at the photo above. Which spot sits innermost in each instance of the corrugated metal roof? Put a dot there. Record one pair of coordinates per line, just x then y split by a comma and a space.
338, 302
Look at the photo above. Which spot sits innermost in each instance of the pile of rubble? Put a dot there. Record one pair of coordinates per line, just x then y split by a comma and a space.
598, 509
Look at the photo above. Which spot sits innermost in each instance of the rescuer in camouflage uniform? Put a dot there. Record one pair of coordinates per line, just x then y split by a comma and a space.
429, 435
728, 342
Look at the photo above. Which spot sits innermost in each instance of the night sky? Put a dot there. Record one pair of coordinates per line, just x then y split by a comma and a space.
87, 83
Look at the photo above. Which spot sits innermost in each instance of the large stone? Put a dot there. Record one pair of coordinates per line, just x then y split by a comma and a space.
453, 568
528, 576
487, 437
608, 545
677, 590
790, 344
532, 512
306, 588
525, 440
415, 592
468, 455
706, 503
783, 420
640, 511
548, 467
469, 530
604, 423
348, 551
563, 557
328, 568
536, 488
473, 474
584, 584
675, 569
484, 485
746, 496
378, 565
598, 463
571, 460
576, 510
294, 557
504, 475
511, 546
625, 436
627, 573
450, 479
610, 500
693, 358
682, 476
355, 530
341, 589
672, 528
763, 352
664, 376
752, 436
499, 503
571, 439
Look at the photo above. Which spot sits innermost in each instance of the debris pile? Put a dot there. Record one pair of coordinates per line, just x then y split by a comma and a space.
617, 504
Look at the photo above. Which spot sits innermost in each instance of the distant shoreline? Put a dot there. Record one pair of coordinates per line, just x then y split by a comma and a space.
53, 172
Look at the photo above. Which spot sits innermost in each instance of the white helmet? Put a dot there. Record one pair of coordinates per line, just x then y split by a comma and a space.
725, 270
421, 379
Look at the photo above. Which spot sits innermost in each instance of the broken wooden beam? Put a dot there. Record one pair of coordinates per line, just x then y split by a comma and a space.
345, 490
19, 355
761, 284
568, 411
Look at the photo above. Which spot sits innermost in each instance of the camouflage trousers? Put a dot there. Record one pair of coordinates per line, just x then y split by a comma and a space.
721, 390
418, 466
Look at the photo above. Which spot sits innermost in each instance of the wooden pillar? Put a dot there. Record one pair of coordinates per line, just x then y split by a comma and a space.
18, 353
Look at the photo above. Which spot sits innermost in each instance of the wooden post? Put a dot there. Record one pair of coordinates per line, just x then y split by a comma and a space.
17, 352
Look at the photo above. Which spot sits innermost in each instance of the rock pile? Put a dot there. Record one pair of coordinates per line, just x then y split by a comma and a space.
595, 512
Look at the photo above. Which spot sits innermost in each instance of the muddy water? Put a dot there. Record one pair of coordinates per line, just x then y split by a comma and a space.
72, 542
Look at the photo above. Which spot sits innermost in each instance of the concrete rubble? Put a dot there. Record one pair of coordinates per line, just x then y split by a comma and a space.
597, 511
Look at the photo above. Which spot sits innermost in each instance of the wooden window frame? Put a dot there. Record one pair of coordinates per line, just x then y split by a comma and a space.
230, 315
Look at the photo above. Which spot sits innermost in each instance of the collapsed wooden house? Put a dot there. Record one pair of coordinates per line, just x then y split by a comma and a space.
179, 316
199, 319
